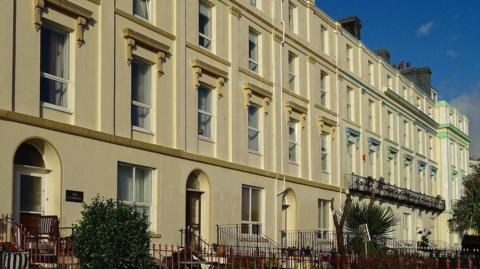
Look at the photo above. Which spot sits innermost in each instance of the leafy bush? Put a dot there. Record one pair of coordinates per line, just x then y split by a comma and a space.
112, 235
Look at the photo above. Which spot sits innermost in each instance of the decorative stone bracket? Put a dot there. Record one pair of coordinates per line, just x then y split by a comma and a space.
200, 68
326, 122
251, 89
81, 14
134, 38
291, 107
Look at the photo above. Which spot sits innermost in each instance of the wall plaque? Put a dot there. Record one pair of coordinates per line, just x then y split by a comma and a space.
74, 196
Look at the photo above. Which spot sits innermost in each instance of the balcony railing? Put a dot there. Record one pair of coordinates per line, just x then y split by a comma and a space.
364, 186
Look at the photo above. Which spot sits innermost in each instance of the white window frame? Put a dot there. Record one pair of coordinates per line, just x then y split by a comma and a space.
256, 3
211, 20
208, 114
254, 129
389, 82
149, 10
249, 222
371, 115
143, 105
371, 72
292, 71
349, 56
350, 101
253, 61
292, 17
325, 39
324, 152
133, 203
407, 223
390, 125
292, 123
57, 79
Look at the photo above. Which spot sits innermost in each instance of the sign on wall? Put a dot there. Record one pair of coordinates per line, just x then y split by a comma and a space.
74, 196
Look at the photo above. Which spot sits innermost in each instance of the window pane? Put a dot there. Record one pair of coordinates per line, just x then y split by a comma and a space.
141, 82
204, 102
142, 185
252, 45
141, 7
204, 125
256, 205
292, 135
30, 194
125, 183
253, 116
141, 117
253, 140
292, 152
54, 53
245, 204
205, 19
53, 92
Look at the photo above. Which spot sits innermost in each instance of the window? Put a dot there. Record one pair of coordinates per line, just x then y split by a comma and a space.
372, 159
451, 118
406, 177
253, 50
406, 131
371, 73
323, 215
204, 112
141, 8
419, 104
324, 39
351, 151
253, 128
141, 95
392, 169
292, 18
134, 186
54, 65
253, 3
205, 25
405, 93
292, 71
389, 82
420, 141
461, 158
371, 115
431, 147
292, 140
406, 226
390, 125
452, 153
349, 56
460, 124
324, 147
251, 210
350, 100
324, 89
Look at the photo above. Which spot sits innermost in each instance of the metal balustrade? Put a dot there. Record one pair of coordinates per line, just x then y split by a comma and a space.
364, 186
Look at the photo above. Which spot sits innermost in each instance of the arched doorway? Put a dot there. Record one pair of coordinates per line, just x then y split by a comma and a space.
36, 181
289, 207
197, 209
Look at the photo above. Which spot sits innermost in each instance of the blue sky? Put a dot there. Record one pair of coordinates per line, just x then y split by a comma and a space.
442, 34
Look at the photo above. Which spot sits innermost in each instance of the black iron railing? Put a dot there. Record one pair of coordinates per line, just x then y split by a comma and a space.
240, 238
364, 186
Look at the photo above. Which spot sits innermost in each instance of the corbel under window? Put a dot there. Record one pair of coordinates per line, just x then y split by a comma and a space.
81, 14
251, 90
134, 38
200, 68
326, 123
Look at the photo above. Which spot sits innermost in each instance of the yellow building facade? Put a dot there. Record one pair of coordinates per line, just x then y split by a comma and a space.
206, 113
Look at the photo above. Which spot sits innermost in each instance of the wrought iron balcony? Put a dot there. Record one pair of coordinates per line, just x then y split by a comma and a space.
364, 186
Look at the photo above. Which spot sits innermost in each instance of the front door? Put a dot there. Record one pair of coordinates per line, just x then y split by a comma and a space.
193, 218
29, 194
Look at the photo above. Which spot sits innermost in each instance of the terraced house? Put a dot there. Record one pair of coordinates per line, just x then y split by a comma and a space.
227, 117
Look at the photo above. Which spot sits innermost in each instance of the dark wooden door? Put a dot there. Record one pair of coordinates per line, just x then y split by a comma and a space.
193, 218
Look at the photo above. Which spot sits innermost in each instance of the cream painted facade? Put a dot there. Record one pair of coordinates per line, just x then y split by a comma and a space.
374, 121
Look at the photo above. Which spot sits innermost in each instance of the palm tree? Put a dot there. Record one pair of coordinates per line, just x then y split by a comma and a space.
381, 222
466, 212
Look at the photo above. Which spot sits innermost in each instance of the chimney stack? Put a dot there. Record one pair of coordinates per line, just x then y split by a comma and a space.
421, 76
353, 25
384, 54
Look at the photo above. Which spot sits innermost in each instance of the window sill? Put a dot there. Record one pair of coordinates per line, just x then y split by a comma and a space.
325, 172
293, 163
206, 139
142, 130
143, 19
254, 152
55, 107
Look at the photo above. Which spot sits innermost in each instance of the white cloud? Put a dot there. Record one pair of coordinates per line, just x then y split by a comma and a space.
452, 54
425, 29
468, 103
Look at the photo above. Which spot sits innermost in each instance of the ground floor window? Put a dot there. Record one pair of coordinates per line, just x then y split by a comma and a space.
323, 215
134, 186
251, 210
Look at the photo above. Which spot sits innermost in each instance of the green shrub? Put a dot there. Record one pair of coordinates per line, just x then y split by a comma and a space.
112, 235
